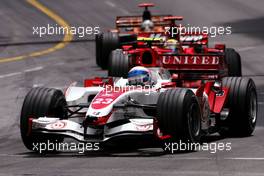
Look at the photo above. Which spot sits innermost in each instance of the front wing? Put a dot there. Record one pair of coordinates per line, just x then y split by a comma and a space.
72, 129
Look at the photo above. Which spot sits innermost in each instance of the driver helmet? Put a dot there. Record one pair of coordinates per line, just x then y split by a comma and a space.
172, 44
147, 25
139, 76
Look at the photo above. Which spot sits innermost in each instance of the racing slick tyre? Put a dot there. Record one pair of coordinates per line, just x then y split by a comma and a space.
105, 43
98, 48
242, 105
40, 102
233, 61
118, 64
178, 115
127, 38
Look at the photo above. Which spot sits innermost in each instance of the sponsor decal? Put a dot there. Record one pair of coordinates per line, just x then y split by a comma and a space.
146, 127
96, 113
58, 125
142, 126
152, 37
199, 60
191, 38
103, 99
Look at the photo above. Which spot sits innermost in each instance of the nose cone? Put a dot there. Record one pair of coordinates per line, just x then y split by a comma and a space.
105, 98
103, 103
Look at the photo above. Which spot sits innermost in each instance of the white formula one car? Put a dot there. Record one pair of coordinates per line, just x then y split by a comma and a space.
105, 108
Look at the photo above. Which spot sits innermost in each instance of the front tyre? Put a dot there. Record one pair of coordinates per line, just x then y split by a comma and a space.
178, 115
40, 102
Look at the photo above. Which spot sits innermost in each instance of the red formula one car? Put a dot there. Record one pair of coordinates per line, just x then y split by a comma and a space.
128, 28
131, 28
157, 50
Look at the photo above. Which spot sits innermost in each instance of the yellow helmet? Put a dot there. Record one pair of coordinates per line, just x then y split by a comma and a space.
172, 44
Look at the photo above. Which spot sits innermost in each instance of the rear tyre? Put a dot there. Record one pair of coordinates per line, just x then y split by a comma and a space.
98, 48
40, 102
242, 104
105, 43
127, 38
178, 115
233, 61
118, 64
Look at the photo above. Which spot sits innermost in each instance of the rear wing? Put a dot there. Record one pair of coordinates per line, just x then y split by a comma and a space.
136, 21
195, 66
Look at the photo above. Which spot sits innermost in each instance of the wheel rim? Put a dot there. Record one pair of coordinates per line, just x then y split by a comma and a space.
193, 118
253, 107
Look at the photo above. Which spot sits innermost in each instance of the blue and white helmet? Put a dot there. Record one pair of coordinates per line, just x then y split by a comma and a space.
139, 76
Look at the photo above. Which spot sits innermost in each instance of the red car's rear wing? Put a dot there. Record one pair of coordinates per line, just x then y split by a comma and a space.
146, 5
195, 65
173, 18
136, 21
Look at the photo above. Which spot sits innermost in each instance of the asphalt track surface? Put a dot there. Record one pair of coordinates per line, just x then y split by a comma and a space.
75, 61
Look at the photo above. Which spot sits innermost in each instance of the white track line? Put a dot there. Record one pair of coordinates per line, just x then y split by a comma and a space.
33, 69
38, 85
124, 11
113, 5
246, 48
241, 158
10, 74
19, 73
110, 3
